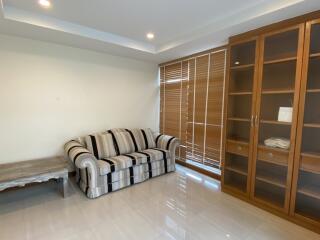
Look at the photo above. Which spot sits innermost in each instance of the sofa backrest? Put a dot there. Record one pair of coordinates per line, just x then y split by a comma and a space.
101, 145
142, 138
118, 141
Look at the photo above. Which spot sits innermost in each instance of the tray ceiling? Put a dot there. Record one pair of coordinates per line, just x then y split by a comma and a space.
119, 27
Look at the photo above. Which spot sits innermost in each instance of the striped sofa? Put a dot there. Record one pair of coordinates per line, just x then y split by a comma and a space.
111, 160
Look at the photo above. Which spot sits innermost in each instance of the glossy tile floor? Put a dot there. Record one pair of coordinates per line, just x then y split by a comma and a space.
180, 205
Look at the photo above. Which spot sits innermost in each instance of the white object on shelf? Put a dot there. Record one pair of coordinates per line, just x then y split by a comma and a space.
277, 142
285, 114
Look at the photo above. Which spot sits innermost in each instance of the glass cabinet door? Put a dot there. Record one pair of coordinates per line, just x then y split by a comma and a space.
306, 177
239, 119
276, 119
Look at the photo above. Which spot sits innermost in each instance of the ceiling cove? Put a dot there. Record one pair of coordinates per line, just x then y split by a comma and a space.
180, 27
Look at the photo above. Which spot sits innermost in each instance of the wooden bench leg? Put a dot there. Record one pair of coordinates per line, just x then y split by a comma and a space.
64, 186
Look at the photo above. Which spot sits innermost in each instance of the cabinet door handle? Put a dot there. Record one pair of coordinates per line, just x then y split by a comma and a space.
256, 120
252, 120
270, 154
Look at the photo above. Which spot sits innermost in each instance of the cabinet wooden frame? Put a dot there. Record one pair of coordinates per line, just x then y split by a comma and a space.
298, 146
300, 28
225, 187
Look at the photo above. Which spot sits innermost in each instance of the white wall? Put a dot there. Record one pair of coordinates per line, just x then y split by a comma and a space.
51, 93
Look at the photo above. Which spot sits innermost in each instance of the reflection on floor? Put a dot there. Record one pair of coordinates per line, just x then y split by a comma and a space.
180, 205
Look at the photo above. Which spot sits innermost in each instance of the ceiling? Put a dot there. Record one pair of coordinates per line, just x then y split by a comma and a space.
181, 27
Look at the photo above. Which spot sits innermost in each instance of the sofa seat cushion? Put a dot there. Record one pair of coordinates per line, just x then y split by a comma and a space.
155, 154
124, 161
117, 163
131, 172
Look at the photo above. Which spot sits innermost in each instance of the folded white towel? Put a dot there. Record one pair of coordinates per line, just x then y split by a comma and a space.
277, 142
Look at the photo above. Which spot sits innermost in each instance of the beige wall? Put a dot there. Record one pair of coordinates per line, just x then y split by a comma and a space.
51, 93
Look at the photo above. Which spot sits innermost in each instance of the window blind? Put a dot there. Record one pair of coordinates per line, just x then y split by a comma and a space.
191, 106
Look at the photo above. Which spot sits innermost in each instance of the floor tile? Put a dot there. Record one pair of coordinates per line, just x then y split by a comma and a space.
183, 205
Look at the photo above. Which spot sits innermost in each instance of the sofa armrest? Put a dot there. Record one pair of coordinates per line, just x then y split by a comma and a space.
167, 142
82, 159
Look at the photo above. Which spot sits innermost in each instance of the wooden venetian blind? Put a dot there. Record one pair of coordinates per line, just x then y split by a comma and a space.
173, 102
191, 105
214, 119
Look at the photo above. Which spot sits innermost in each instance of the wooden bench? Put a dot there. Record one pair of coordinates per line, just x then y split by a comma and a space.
41, 170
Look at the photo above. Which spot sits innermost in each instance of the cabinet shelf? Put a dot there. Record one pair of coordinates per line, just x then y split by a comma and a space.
238, 140
270, 194
316, 90
310, 191
311, 154
312, 125
239, 93
281, 60
275, 122
315, 55
239, 119
280, 150
237, 186
237, 169
273, 180
277, 91
310, 162
245, 66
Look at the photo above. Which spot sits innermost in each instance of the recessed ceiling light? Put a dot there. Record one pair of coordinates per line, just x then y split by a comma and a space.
150, 36
44, 3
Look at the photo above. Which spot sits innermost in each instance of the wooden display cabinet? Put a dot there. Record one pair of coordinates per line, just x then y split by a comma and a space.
268, 68
278, 86
242, 64
305, 200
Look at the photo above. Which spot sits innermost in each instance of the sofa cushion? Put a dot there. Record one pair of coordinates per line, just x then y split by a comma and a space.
156, 154
148, 138
100, 145
116, 130
123, 142
137, 138
142, 138
117, 163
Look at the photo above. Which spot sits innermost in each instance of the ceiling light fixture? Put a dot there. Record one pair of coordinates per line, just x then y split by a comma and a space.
44, 3
150, 36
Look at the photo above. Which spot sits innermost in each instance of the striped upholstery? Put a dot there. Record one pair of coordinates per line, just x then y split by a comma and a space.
156, 154
83, 161
116, 163
142, 137
101, 145
75, 149
137, 138
164, 141
120, 162
81, 140
112, 160
116, 130
124, 142
123, 178
108, 165
149, 139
